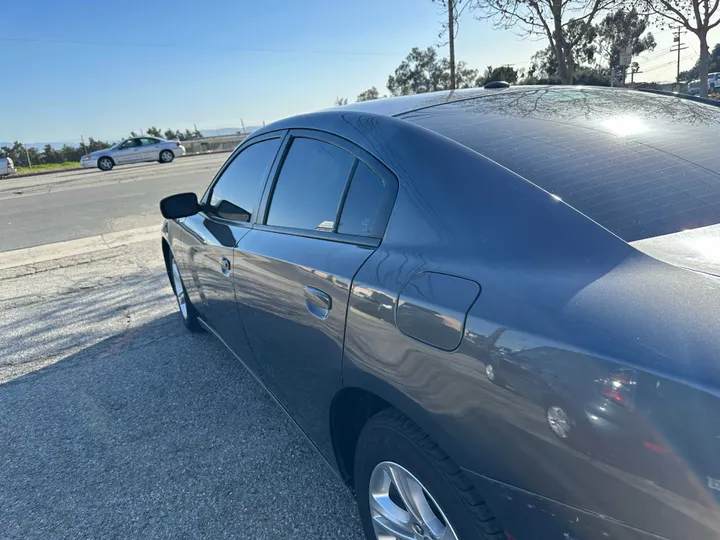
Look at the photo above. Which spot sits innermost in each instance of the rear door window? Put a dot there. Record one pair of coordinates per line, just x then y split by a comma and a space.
310, 186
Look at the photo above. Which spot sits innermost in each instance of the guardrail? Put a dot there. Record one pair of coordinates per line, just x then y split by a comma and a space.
213, 144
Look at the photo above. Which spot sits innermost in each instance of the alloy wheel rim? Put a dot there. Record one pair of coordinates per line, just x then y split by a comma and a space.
490, 372
401, 508
165, 156
559, 421
105, 163
179, 290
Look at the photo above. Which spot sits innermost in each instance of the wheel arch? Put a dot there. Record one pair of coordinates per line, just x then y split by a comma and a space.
350, 410
355, 404
166, 255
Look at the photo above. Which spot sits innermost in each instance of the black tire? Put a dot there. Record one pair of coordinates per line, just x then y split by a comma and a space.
189, 316
391, 436
105, 163
166, 156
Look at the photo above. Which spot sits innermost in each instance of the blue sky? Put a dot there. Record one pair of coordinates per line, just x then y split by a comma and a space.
102, 69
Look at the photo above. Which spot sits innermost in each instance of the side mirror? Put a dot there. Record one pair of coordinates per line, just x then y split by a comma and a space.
228, 210
179, 206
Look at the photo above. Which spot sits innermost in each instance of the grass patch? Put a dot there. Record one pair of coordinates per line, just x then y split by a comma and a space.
48, 167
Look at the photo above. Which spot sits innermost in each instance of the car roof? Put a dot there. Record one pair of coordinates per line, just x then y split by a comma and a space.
612, 154
640, 164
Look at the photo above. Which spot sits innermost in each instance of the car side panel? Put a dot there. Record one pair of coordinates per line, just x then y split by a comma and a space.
209, 243
566, 299
298, 345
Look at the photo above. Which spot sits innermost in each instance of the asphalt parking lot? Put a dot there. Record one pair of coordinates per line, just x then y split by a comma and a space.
118, 423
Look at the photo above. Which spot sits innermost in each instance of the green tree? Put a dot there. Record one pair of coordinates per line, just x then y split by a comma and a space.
339, 101
34, 155
697, 16
502, 73
620, 29
566, 24
16, 153
713, 66
50, 155
70, 153
422, 71
153, 132
171, 135
367, 95
187, 135
94, 145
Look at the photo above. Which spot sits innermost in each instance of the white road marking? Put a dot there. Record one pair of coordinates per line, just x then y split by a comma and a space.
58, 250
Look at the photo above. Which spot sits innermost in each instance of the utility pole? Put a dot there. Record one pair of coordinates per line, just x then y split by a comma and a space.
27, 154
680, 47
83, 143
243, 126
451, 33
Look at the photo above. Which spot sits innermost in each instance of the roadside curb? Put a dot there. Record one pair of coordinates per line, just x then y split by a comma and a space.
78, 169
59, 250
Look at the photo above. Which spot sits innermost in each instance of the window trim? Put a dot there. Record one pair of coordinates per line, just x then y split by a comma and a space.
205, 199
387, 204
321, 235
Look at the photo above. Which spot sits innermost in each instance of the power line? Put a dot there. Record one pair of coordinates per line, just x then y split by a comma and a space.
174, 46
666, 64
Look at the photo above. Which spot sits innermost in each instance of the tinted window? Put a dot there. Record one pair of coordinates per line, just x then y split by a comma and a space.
237, 192
639, 165
147, 141
130, 143
310, 186
362, 203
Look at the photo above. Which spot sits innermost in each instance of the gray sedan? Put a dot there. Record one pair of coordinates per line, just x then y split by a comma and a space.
134, 150
494, 312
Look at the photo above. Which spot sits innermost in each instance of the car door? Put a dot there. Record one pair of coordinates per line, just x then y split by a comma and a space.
128, 152
150, 150
230, 206
324, 215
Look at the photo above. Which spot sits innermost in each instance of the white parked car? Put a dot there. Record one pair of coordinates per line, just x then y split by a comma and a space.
134, 150
694, 87
6, 166
714, 82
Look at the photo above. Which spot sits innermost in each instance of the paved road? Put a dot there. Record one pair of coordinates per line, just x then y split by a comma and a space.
118, 423
45, 209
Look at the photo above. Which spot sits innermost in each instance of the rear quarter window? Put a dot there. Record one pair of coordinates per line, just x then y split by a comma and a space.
640, 165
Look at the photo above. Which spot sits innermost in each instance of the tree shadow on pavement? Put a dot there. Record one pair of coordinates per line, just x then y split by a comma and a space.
52, 314
159, 433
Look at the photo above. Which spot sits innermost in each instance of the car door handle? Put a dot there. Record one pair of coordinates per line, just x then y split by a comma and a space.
225, 266
318, 302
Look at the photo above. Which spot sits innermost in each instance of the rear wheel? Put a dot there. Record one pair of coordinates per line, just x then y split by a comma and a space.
166, 156
187, 310
409, 489
105, 163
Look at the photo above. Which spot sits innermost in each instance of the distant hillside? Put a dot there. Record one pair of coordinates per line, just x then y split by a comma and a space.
227, 131
206, 133
41, 145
